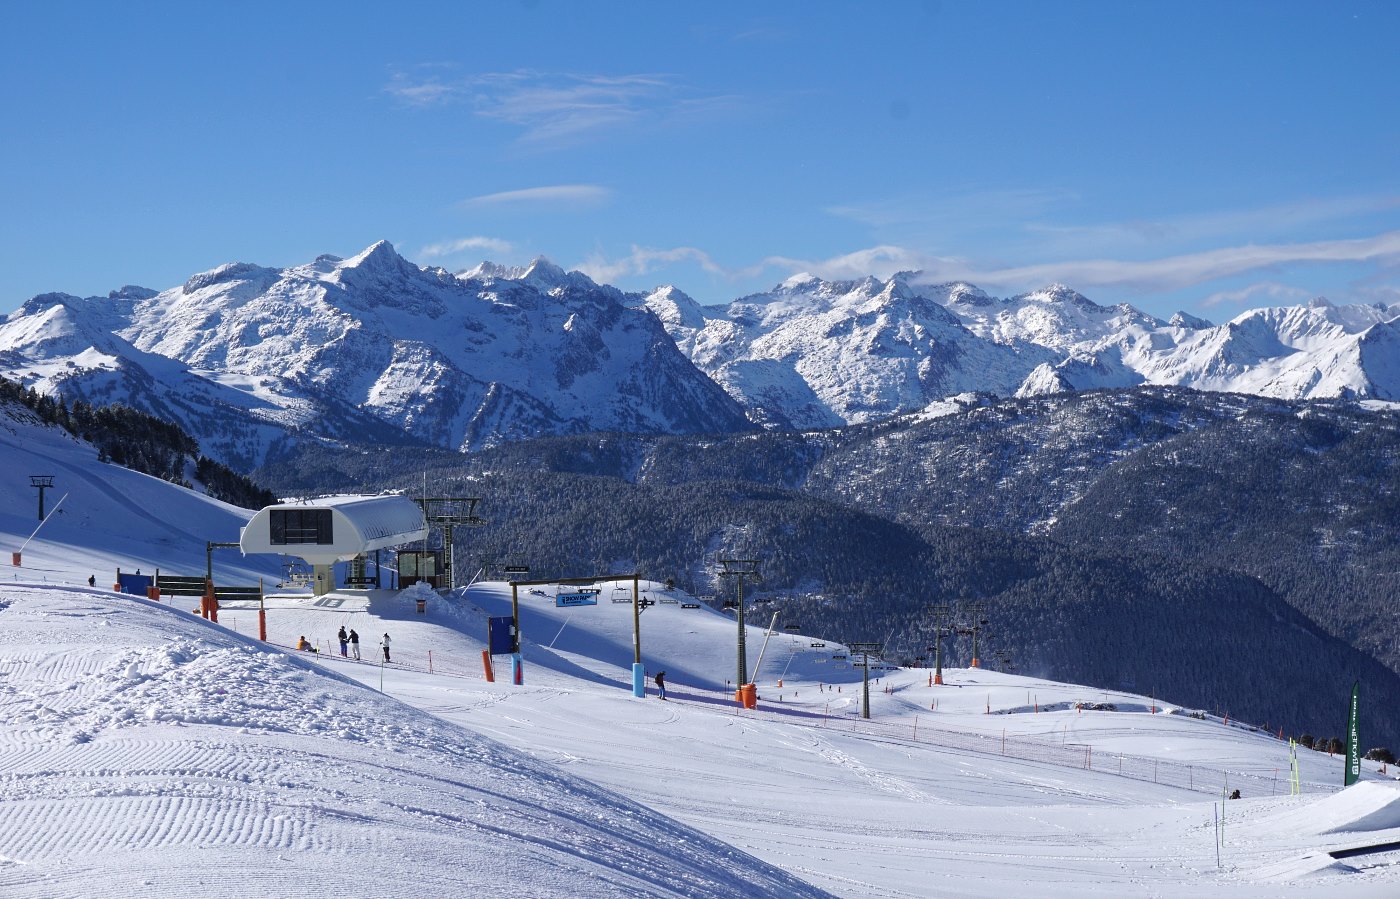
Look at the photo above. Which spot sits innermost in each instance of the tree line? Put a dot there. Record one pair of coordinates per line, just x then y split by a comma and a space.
133, 439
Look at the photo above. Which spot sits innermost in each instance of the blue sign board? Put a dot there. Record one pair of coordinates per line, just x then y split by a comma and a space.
575, 599
135, 584
500, 635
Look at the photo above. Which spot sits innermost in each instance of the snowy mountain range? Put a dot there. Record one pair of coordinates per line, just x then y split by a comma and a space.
815, 353
375, 349
371, 349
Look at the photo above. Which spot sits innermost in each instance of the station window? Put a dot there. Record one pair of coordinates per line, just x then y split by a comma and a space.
301, 526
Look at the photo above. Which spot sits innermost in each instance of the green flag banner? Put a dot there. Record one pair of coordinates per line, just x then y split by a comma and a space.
1353, 773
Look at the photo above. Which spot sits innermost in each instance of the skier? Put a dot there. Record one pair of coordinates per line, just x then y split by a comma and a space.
385, 643
304, 645
355, 644
344, 641
92, 580
661, 683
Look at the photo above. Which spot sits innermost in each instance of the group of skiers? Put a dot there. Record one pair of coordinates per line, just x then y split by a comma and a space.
349, 644
350, 648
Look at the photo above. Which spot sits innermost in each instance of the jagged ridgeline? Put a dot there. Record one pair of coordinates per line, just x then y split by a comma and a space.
141, 442
1228, 552
375, 349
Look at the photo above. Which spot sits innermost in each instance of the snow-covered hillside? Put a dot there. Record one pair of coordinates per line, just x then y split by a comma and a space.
144, 751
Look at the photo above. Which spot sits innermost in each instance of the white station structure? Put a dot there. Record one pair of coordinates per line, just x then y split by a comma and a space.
334, 529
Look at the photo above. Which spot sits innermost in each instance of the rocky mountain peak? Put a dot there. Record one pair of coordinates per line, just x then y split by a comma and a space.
1188, 321
131, 292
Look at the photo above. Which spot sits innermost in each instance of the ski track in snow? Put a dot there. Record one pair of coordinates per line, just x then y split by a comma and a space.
130, 752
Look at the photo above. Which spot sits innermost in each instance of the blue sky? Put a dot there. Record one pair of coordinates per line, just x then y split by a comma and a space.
1200, 156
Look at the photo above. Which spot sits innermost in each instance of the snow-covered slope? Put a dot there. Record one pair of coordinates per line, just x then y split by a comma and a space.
148, 753
144, 751
370, 348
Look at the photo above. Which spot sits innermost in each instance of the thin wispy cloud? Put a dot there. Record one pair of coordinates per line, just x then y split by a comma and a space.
644, 260
1026, 223
558, 107
1143, 276
554, 194
957, 210
548, 107
1272, 220
447, 248
1269, 290
426, 92
1188, 270
880, 262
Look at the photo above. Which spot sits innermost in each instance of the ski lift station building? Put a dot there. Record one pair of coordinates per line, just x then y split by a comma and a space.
334, 529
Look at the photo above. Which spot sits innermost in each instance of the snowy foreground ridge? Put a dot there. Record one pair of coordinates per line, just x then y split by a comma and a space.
147, 752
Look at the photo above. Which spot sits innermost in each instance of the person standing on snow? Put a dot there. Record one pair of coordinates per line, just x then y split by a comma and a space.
355, 644
385, 643
92, 580
661, 683
344, 641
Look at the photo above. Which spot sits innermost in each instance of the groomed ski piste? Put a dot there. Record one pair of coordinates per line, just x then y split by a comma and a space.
145, 751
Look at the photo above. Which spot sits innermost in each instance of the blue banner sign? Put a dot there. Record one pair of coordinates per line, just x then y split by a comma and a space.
576, 599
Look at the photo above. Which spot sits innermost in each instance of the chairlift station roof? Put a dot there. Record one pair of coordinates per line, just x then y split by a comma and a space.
334, 528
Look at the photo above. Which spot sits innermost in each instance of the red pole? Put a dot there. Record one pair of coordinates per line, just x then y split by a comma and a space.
486, 664
262, 625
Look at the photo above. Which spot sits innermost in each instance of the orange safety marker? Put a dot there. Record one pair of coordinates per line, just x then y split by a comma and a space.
486, 664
